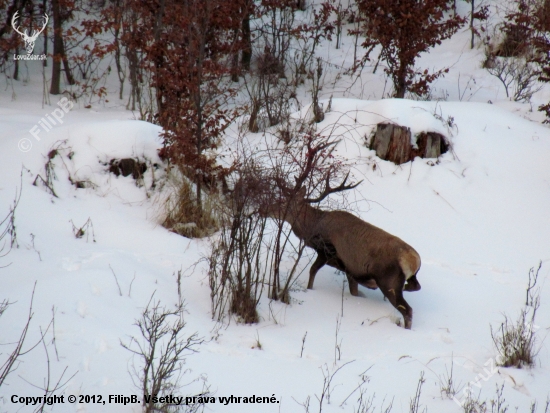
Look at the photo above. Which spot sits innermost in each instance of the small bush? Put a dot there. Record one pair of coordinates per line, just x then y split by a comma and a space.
474, 404
160, 350
516, 342
8, 228
447, 383
518, 75
414, 405
498, 403
238, 261
515, 42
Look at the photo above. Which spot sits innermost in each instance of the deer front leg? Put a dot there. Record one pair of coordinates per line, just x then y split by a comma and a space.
319, 262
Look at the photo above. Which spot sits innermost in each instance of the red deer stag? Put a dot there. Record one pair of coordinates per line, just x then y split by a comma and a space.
367, 254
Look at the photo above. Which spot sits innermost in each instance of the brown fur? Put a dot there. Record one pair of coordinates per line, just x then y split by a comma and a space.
367, 254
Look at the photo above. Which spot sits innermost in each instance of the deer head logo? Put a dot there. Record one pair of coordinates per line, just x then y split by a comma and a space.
29, 40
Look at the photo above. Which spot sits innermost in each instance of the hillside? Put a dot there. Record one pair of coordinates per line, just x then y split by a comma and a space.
478, 218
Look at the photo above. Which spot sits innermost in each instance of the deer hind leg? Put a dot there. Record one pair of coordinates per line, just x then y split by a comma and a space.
319, 262
392, 288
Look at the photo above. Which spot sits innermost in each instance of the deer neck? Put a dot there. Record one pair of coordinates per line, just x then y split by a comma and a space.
303, 219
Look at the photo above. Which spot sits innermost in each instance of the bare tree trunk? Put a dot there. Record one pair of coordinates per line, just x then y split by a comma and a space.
66, 67
135, 93
472, 24
118, 52
338, 25
400, 81
120, 71
235, 67
59, 52
400, 90
246, 57
16, 67
158, 63
133, 68
57, 49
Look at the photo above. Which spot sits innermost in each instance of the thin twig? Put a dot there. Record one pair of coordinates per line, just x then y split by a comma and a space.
117, 284
533, 278
438, 194
45, 184
130, 288
54, 341
303, 344
364, 379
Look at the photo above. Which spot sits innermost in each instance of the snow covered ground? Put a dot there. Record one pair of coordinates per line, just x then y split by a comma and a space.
479, 219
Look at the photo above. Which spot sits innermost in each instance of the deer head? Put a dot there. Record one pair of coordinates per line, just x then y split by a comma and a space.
29, 40
314, 173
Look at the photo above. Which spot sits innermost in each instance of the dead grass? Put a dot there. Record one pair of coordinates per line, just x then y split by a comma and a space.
181, 213
516, 342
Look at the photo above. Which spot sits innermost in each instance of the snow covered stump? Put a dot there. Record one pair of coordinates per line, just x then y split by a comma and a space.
127, 166
393, 143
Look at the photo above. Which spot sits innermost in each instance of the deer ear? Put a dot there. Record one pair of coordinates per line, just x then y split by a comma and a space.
302, 192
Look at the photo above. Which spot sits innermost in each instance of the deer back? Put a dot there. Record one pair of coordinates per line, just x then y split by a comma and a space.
365, 248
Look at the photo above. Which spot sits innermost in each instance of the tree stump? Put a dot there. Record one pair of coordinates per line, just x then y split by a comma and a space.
430, 145
393, 143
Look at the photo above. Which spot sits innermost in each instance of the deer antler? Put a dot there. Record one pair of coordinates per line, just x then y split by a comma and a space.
13, 19
313, 169
312, 159
328, 190
35, 32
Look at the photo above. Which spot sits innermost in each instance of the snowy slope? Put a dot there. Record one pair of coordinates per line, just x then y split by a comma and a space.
478, 219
